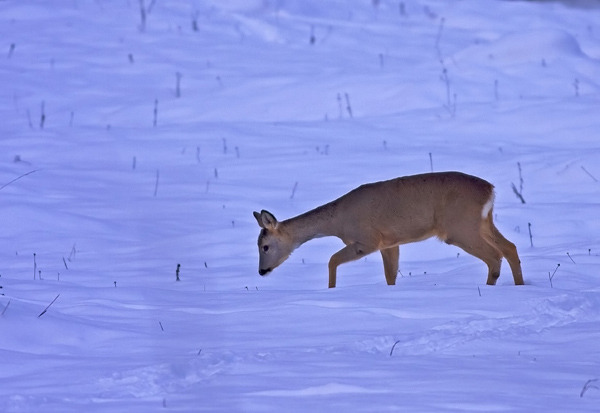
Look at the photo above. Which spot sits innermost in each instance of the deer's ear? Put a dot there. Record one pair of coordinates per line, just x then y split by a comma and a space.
257, 216
265, 219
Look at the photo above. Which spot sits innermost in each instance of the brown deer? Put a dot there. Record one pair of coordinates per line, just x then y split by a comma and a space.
455, 207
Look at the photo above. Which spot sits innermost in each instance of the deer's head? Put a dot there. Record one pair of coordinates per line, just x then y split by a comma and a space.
274, 244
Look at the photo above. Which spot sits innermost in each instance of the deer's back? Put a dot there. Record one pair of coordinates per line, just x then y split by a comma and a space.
414, 207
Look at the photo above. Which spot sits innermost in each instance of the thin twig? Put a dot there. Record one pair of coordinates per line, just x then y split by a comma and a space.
589, 174
517, 193
438, 38
348, 107
155, 121
5, 308
16, 179
393, 347
588, 385
520, 177
294, 190
46, 309
551, 276
156, 183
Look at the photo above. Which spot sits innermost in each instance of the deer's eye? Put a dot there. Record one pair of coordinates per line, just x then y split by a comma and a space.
265, 248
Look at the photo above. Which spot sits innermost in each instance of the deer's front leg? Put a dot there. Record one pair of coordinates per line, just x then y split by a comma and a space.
350, 252
390, 264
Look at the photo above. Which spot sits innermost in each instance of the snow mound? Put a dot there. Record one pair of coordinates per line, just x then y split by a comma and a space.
326, 389
537, 46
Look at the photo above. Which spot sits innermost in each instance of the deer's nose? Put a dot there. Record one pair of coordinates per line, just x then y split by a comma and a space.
264, 272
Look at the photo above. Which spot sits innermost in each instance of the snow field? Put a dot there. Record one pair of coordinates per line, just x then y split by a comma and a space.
131, 180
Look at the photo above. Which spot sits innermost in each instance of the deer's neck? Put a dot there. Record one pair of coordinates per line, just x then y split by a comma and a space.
316, 223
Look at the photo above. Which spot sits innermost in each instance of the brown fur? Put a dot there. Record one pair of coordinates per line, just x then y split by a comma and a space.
383, 215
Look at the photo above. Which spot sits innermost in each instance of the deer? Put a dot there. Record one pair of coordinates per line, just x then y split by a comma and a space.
455, 207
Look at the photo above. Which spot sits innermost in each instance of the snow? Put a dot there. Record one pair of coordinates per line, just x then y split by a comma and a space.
284, 106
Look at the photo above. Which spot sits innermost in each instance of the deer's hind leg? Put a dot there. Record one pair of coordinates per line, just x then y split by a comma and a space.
473, 242
390, 263
507, 248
